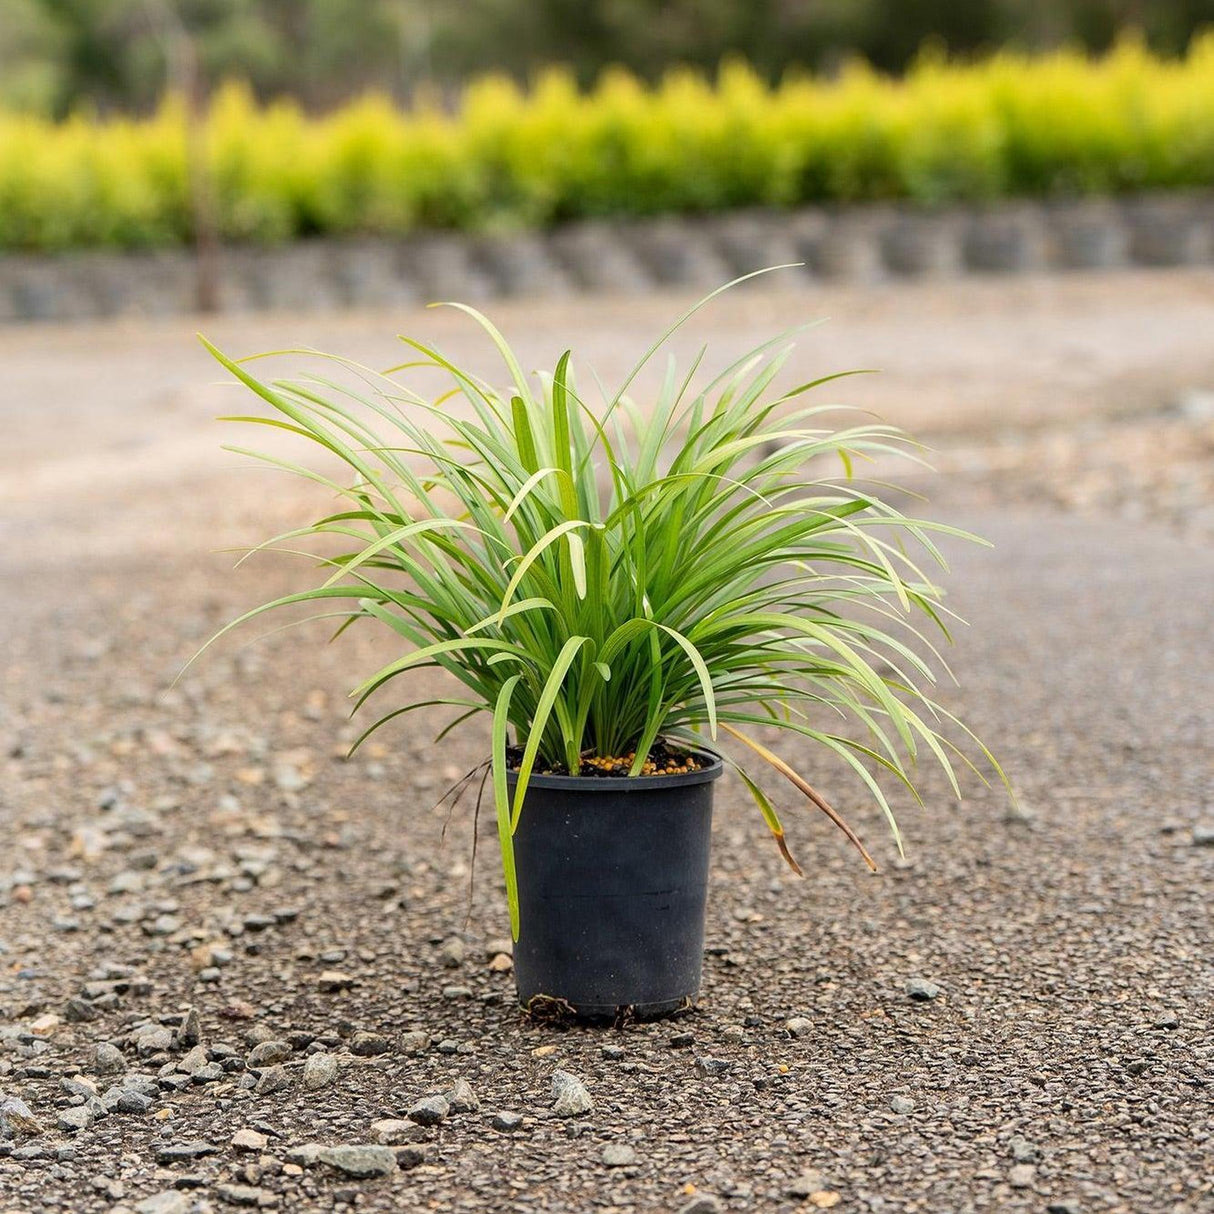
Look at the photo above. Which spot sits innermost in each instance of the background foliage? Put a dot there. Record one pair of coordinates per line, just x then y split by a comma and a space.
1058, 124
58, 54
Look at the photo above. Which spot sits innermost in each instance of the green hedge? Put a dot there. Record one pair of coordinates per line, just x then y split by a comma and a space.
1054, 125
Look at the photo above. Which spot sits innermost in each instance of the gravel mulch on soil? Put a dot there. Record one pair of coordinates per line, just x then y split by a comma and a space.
239, 971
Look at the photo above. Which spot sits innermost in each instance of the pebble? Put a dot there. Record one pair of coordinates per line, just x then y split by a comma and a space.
682, 1041
798, 1026
415, 1041
123, 1100
901, 1104
1022, 1176
410, 1156
176, 1152
194, 1061
569, 1094
1203, 835
17, 1119
506, 1122
619, 1155
319, 1071
244, 1195
367, 1045
170, 1201
190, 1033
249, 1140
451, 953
273, 1079
359, 1160
431, 1110
392, 1132
75, 1119
332, 981
1022, 1151
702, 1203
461, 1098
268, 1053
801, 1187
922, 989
152, 1039
108, 1060
613, 1053
710, 1068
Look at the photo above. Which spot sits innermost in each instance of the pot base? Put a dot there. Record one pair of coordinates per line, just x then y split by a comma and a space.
548, 1009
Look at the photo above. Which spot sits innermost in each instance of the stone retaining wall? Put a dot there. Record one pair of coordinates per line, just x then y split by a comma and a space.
852, 244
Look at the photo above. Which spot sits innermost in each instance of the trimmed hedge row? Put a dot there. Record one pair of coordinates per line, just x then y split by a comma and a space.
1056, 125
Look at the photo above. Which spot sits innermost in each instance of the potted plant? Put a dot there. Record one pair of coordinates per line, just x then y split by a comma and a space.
618, 588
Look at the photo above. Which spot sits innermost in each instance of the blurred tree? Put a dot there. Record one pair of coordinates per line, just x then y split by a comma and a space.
57, 54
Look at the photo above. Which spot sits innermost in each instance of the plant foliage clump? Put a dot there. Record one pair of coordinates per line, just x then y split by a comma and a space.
1060, 124
599, 580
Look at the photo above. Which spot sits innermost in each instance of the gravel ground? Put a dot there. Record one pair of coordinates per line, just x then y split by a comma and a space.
221, 945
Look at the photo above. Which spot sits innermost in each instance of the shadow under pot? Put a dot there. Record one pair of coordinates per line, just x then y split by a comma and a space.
612, 887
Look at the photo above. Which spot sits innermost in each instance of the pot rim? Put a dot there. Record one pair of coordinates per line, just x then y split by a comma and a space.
621, 784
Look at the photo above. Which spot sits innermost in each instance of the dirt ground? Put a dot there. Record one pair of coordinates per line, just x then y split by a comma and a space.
205, 847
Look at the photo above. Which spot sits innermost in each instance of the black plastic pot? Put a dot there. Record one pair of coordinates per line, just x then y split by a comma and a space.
613, 883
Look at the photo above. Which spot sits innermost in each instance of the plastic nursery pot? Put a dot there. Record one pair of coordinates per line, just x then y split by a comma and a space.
612, 884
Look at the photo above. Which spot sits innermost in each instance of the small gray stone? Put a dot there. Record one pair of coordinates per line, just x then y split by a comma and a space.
333, 981
901, 1104
619, 1155
16, 1118
267, 1053
799, 1026
410, 1156
79, 1011
249, 1140
1064, 1207
76, 1119
152, 1039
702, 1203
462, 1098
124, 1100
108, 1060
1022, 1151
241, 1194
429, 1111
451, 953
569, 1094
177, 1152
306, 1155
358, 1160
171, 1201
193, 1062
190, 1033
273, 1079
393, 1132
1022, 1176
922, 989
1203, 835
319, 1071
506, 1122
367, 1045
415, 1041
711, 1068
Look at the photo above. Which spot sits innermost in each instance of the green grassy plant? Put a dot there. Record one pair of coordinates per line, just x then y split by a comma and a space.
599, 578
